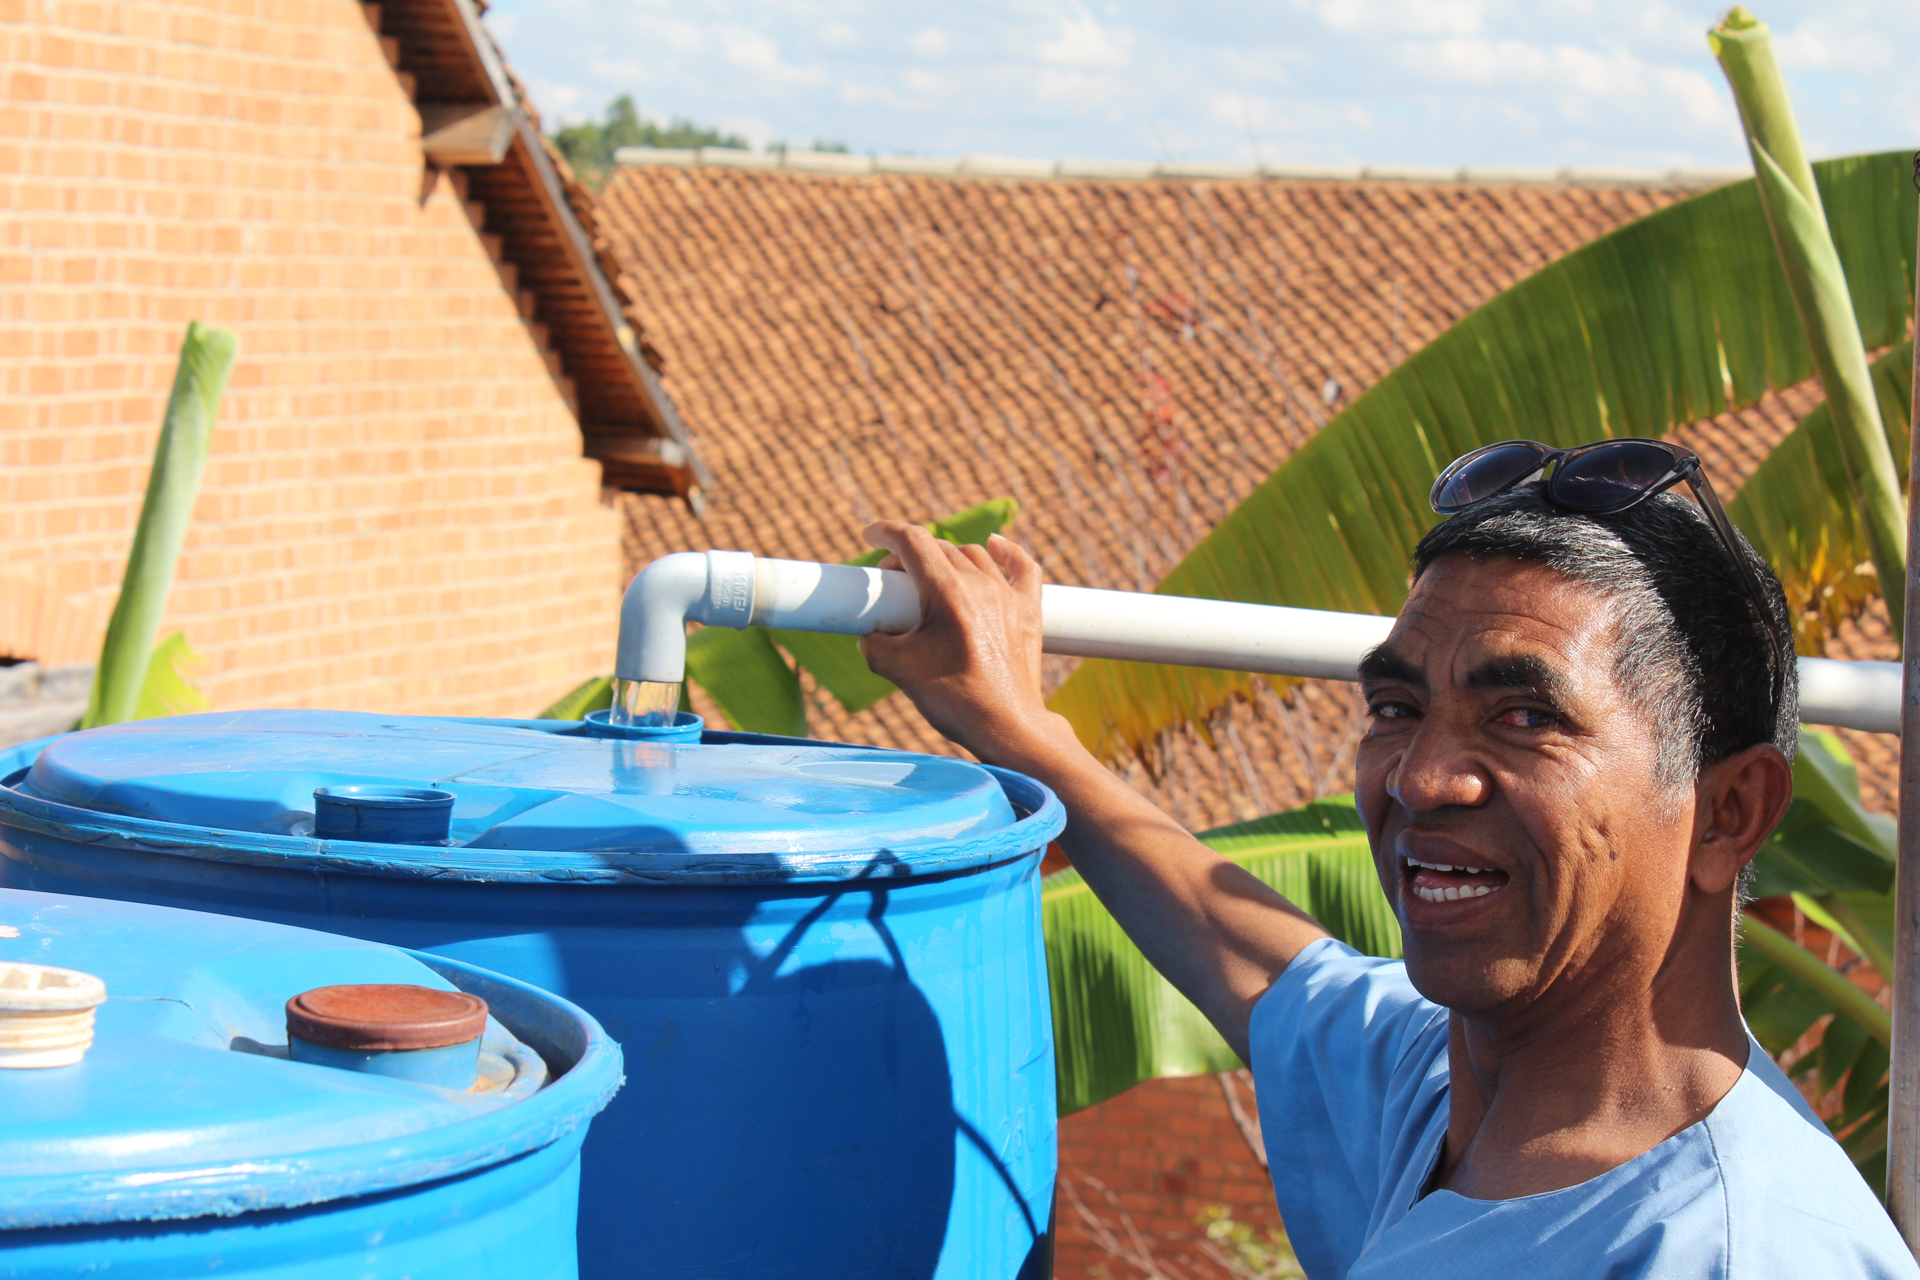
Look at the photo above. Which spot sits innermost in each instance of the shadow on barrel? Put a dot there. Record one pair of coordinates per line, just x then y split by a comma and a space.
789, 1106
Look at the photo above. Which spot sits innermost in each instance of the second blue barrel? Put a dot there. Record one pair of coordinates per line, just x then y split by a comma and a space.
824, 964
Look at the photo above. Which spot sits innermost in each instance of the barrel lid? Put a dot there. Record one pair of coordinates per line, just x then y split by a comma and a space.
524, 786
187, 1105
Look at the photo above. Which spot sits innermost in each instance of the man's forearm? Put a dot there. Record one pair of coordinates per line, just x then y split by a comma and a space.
1217, 933
973, 668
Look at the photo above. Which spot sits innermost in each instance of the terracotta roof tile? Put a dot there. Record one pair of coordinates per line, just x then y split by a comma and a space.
1127, 358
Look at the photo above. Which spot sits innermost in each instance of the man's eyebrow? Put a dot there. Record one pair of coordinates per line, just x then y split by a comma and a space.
1519, 671
1384, 664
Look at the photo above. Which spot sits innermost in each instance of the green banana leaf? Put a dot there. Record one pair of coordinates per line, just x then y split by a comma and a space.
1117, 1021
595, 694
128, 660
1828, 842
1819, 288
168, 689
1798, 509
1795, 216
748, 679
756, 688
1673, 318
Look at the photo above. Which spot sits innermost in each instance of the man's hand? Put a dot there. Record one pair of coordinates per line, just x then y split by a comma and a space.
972, 666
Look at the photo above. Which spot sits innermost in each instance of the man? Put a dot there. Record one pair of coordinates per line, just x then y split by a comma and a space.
1580, 734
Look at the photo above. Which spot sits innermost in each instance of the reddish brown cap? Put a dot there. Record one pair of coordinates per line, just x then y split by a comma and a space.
378, 1016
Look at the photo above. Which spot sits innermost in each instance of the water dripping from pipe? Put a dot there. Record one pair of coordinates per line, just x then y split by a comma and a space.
641, 703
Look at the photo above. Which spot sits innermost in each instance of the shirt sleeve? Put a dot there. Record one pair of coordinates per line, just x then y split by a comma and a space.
1349, 1065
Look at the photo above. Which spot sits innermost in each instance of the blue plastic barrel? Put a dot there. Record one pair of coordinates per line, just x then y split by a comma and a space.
825, 963
187, 1142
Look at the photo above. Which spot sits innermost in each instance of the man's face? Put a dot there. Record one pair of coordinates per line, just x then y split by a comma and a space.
1510, 792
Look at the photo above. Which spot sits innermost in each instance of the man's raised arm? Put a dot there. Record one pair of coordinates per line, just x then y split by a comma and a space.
972, 667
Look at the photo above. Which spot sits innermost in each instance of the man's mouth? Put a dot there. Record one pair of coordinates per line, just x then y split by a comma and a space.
1443, 882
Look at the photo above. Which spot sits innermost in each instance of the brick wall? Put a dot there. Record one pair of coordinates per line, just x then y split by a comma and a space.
396, 514
1158, 1156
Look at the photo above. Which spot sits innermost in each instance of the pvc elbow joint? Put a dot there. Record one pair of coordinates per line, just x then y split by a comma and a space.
653, 618
735, 589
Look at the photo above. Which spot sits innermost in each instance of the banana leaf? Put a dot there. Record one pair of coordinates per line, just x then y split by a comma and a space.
595, 694
748, 680
1671, 319
1798, 222
1798, 509
168, 690
1118, 1022
1828, 842
127, 656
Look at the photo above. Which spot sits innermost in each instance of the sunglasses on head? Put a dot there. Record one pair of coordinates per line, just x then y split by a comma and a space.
1601, 479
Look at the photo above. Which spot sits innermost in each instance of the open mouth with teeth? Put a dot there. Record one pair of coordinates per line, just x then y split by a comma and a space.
1438, 882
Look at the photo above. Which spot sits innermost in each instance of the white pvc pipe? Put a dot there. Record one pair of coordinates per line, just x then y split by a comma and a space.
1191, 632
1852, 695
734, 589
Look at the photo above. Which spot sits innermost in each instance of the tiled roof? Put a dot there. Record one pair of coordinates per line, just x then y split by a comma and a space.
1128, 358
539, 224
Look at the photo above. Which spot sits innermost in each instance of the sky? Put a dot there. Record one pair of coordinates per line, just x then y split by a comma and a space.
1522, 83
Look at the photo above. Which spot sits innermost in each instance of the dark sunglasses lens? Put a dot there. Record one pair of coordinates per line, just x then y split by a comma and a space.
1610, 477
1484, 476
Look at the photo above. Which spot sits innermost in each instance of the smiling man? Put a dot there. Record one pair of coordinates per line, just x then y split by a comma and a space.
1580, 733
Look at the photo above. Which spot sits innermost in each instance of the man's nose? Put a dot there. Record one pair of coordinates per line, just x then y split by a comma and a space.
1437, 770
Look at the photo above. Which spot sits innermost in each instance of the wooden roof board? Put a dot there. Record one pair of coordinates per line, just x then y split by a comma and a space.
543, 219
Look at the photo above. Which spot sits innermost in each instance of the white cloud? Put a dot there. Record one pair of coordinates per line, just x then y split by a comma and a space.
1401, 18
751, 51
1083, 42
840, 35
1273, 128
931, 43
683, 36
1828, 44
1582, 82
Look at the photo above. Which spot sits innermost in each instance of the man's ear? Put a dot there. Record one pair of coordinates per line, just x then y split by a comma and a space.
1738, 803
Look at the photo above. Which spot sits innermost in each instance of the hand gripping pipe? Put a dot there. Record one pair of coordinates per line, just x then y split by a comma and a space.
735, 589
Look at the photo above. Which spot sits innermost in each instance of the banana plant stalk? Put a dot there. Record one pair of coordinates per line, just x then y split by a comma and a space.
179, 458
1798, 222
1903, 1121
1829, 982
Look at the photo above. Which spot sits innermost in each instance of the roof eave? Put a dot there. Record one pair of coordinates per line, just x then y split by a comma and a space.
677, 470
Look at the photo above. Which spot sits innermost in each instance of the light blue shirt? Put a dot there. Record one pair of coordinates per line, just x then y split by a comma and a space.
1351, 1067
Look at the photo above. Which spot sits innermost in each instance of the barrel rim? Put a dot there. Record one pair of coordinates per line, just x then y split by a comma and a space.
1040, 819
574, 1095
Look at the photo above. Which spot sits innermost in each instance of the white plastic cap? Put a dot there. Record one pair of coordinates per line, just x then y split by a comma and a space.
46, 1014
